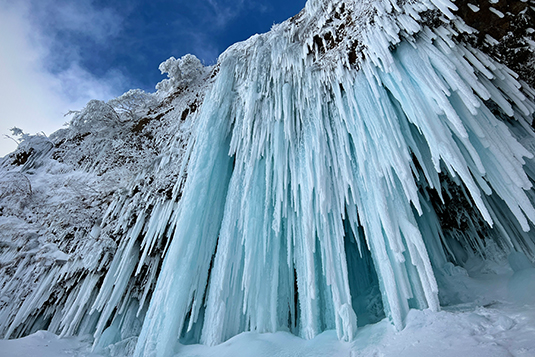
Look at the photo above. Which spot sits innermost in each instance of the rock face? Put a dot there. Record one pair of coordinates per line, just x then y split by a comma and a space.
505, 31
321, 176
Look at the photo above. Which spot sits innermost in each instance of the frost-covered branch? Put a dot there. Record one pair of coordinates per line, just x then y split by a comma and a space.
180, 71
131, 102
97, 115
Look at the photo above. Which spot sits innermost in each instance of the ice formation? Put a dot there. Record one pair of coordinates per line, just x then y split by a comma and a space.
310, 193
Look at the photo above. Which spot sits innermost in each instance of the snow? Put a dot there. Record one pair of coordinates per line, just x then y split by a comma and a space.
473, 7
496, 12
45, 344
498, 326
355, 181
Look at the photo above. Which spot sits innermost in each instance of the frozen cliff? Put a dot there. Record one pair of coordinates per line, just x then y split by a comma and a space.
338, 170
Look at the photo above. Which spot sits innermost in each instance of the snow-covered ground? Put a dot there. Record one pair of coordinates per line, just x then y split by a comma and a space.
499, 329
499, 320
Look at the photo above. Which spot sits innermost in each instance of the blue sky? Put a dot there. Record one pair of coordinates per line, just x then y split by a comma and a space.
55, 55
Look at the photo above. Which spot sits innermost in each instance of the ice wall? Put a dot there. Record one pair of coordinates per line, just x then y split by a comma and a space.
295, 145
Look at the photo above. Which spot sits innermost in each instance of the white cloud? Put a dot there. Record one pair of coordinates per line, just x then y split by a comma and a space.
31, 97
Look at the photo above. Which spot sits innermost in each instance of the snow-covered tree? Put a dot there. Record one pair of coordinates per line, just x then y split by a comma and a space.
180, 71
132, 102
96, 116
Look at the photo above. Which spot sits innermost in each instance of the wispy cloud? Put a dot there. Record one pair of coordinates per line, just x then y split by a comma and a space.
77, 16
40, 71
224, 11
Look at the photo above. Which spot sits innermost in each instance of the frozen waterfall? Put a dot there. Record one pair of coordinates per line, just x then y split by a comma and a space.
291, 158
310, 191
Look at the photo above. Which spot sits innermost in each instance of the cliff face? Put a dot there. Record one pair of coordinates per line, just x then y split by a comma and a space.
60, 231
321, 176
505, 31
